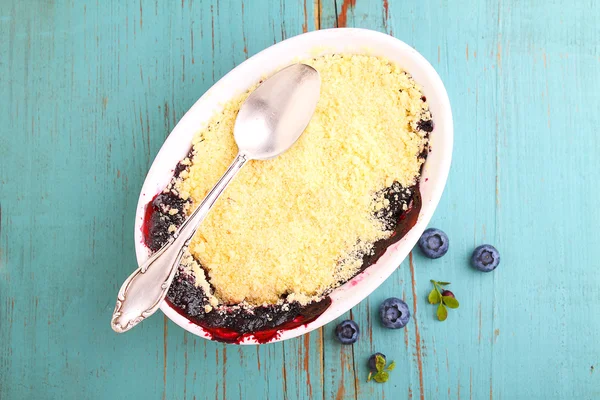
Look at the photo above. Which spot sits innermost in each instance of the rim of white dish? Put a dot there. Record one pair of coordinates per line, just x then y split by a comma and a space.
265, 61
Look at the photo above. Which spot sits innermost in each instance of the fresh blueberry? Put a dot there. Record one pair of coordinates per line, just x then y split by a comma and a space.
347, 332
448, 293
394, 313
433, 243
485, 258
373, 361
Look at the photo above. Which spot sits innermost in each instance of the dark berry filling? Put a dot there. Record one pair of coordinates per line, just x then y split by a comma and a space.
398, 197
425, 125
159, 219
233, 323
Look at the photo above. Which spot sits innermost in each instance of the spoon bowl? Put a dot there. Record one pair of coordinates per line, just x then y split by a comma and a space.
274, 116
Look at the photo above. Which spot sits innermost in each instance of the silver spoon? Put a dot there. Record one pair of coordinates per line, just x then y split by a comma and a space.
269, 122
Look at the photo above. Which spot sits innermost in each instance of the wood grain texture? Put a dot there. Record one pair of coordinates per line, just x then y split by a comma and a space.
88, 92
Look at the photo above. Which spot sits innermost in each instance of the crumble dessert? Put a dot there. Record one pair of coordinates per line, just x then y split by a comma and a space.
289, 230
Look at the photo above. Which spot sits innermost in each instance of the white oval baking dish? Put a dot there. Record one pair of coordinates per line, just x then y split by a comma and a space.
346, 41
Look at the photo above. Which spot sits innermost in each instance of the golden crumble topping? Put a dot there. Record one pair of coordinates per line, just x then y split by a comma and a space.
296, 227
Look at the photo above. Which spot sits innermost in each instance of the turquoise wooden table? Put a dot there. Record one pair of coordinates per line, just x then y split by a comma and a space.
88, 92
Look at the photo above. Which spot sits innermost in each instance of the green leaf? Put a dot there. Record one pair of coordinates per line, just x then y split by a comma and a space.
451, 302
442, 312
391, 366
443, 283
381, 377
379, 363
434, 296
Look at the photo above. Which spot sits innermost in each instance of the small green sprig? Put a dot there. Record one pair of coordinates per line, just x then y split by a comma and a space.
437, 296
382, 374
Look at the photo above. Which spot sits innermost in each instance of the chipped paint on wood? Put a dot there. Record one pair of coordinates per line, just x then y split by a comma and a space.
342, 19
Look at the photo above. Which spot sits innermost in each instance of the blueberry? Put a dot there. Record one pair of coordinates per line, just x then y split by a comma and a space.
165, 201
425, 125
448, 293
485, 258
161, 219
373, 361
394, 313
347, 332
158, 233
433, 243
160, 200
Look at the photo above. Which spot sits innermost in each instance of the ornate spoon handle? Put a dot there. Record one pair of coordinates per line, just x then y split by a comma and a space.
141, 294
